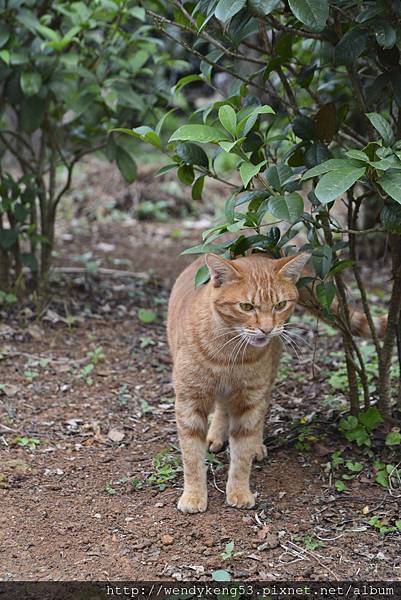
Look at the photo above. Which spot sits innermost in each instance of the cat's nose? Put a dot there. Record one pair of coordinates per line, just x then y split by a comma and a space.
265, 330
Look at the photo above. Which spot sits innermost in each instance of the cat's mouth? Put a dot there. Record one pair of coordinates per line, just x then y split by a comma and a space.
259, 340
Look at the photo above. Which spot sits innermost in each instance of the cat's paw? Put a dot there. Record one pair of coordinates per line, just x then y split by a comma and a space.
215, 444
260, 452
240, 498
192, 503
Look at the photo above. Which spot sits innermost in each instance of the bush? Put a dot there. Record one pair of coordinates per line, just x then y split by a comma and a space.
67, 69
314, 104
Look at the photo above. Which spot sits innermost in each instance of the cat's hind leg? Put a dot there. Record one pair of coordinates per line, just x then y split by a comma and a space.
217, 434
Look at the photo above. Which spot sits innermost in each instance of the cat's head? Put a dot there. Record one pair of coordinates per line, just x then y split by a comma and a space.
255, 295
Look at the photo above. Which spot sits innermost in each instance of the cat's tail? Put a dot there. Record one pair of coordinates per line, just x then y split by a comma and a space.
358, 320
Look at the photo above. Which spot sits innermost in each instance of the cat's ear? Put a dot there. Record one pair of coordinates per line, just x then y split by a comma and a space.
221, 270
293, 265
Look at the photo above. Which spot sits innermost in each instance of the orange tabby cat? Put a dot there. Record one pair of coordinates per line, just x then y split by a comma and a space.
226, 340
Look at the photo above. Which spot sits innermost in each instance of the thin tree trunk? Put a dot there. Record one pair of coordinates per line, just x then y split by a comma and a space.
346, 335
390, 335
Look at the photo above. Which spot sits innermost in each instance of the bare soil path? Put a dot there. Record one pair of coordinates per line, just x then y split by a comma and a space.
89, 469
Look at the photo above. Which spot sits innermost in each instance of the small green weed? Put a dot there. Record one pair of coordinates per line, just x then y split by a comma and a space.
387, 475
94, 357
136, 484
110, 489
166, 466
145, 341
310, 542
7, 298
26, 442
384, 526
229, 552
359, 429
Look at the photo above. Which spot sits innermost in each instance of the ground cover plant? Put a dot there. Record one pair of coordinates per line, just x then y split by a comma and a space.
69, 71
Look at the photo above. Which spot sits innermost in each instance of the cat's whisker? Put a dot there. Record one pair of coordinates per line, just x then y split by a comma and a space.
244, 351
294, 342
290, 344
233, 354
296, 325
298, 337
220, 348
301, 342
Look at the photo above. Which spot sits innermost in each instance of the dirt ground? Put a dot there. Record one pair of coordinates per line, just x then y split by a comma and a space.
89, 466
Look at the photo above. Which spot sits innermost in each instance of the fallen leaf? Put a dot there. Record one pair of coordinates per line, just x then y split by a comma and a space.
9, 389
35, 332
115, 435
271, 541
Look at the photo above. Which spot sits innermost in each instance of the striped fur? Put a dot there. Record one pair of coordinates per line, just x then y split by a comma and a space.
226, 341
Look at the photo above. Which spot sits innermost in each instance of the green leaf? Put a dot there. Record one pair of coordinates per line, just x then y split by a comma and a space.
143, 133
312, 13
335, 183
186, 81
354, 467
186, 174
228, 146
146, 316
287, 208
228, 118
8, 237
197, 188
221, 575
126, 165
278, 175
390, 217
226, 9
371, 418
198, 133
386, 35
330, 165
31, 113
5, 56
30, 82
382, 478
391, 184
357, 155
262, 7
316, 154
393, 438
304, 127
325, 293
321, 260
202, 276
248, 170
4, 34
340, 485
166, 169
192, 154
110, 98
237, 225
382, 126
351, 46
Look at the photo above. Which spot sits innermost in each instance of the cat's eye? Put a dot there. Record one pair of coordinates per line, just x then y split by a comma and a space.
280, 305
246, 306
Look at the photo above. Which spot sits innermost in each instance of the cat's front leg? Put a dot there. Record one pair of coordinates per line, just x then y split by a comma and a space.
191, 415
246, 420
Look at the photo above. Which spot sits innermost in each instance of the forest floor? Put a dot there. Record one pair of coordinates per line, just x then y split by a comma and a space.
90, 472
